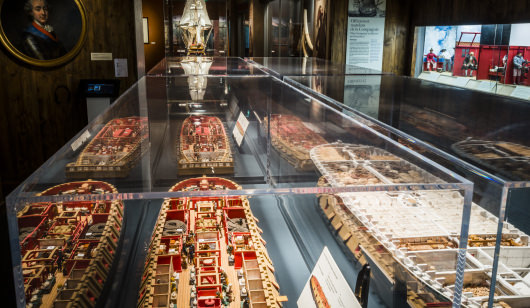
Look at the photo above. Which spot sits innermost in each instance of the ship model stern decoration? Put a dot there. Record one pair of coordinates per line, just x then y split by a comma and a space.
413, 236
208, 252
204, 147
68, 247
196, 26
293, 140
113, 152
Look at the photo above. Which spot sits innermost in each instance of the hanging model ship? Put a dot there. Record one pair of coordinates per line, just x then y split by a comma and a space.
68, 247
113, 152
293, 140
204, 147
196, 26
208, 252
509, 159
418, 232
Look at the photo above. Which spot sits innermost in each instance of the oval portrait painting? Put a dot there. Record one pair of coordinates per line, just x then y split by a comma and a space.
43, 32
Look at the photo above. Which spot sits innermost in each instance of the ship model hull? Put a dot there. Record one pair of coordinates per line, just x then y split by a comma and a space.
293, 140
411, 238
204, 147
208, 252
68, 247
113, 152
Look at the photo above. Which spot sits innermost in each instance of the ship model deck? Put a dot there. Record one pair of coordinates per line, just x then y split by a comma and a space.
293, 140
204, 147
113, 152
208, 252
506, 158
418, 231
68, 247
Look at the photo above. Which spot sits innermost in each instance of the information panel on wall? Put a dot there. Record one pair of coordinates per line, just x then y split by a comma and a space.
366, 33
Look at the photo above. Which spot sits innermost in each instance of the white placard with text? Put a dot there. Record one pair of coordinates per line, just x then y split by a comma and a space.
240, 128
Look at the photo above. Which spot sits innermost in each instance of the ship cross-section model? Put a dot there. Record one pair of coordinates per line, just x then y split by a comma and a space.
196, 26
113, 152
412, 237
204, 147
208, 252
68, 247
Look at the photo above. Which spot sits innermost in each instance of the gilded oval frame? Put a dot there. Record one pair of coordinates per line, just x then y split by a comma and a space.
52, 62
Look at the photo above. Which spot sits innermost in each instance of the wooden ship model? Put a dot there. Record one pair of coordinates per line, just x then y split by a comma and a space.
208, 252
509, 159
204, 147
113, 152
413, 237
68, 247
196, 26
293, 139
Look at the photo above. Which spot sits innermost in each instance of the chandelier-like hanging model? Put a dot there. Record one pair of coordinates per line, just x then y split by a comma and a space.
196, 26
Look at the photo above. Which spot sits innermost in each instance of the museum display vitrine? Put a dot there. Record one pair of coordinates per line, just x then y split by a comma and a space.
300, 66
194, 27
466, 133
302, 177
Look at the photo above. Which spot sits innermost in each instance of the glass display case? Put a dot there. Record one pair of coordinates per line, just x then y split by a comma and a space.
480, 136
231, 192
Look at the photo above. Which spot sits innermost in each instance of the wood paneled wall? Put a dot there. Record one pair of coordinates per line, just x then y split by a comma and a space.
40, 109
257, 34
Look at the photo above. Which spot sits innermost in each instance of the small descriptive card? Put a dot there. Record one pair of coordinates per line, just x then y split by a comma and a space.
79, 141
101, 56
461, 82
120, 68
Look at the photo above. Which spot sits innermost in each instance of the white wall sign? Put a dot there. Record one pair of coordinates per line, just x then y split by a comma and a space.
366, 33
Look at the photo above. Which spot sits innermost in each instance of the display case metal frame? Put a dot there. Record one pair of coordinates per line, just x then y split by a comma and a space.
506, 188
